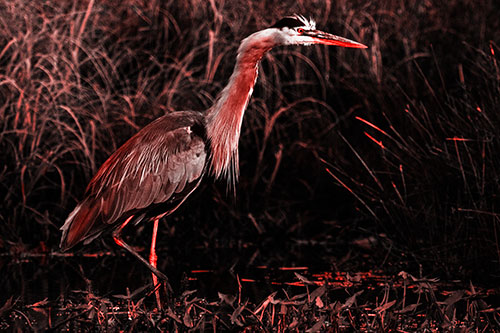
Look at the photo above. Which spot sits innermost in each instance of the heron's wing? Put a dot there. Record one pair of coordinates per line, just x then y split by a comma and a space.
154, 166
153, 171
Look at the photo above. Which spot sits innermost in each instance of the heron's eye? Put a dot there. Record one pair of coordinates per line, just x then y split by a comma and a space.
300, 31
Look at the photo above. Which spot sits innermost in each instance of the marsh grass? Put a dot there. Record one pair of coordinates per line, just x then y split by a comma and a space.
365, 301
401, 138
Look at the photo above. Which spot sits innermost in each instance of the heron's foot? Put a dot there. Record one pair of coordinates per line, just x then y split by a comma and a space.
155, 288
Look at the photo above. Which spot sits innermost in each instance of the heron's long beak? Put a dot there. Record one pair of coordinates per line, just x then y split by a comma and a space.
325, 38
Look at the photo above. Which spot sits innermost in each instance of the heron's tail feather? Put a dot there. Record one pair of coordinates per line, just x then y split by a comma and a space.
78, 224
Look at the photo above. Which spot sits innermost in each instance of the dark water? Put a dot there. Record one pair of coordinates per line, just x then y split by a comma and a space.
259, 268
34, 277
46, 285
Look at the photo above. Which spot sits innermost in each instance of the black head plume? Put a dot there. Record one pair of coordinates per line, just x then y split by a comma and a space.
288, 22
295, 21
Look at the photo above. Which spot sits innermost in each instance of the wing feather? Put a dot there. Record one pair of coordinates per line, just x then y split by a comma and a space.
156, 173
150, 168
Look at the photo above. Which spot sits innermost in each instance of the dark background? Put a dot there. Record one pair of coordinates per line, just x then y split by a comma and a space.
396, 145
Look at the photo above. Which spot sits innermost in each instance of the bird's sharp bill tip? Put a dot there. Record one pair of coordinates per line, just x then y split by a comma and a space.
342, 43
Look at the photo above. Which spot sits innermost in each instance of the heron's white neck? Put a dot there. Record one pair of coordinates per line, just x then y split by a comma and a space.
224, 118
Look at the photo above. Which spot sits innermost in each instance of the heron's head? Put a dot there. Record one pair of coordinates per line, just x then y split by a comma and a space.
297, 30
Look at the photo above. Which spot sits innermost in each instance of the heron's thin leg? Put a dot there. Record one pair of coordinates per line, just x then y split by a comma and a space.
120, 242
152, 260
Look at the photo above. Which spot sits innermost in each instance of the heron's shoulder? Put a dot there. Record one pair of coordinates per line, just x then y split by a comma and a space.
178, 122
180, 119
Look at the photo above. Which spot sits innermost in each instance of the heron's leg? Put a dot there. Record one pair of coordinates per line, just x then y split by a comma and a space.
120, 242
152, 260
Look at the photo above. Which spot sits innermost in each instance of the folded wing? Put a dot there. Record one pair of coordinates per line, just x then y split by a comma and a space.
161, 164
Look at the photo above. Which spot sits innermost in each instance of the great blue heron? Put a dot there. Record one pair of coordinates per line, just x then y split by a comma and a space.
160, 166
